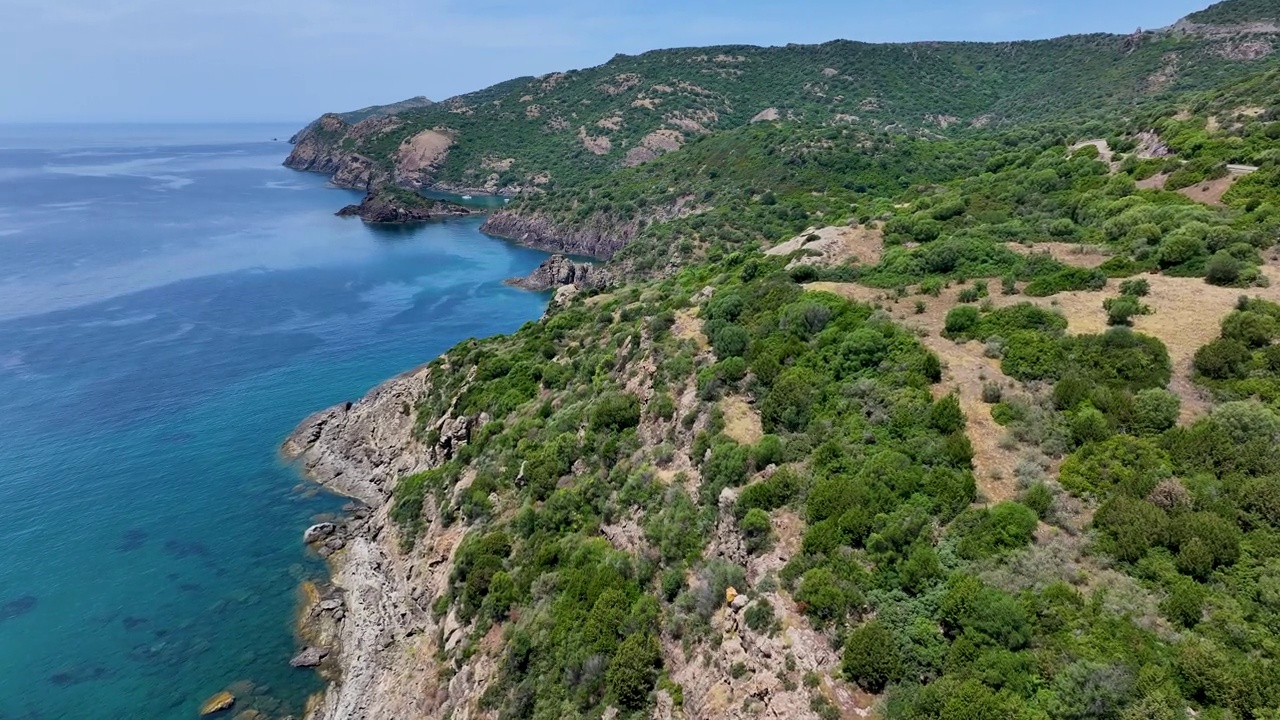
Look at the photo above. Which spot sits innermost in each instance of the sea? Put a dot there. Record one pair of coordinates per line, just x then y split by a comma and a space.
173, 302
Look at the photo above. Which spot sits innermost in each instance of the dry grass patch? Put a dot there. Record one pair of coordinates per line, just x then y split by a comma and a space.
1086, 256
741, 421
689, 327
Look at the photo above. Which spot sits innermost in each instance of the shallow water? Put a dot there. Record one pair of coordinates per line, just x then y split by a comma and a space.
172, 303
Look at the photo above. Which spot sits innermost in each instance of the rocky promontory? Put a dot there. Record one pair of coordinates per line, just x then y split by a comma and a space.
558, 271
389, 204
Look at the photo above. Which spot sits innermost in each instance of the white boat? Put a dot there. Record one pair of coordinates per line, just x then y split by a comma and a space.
466, 197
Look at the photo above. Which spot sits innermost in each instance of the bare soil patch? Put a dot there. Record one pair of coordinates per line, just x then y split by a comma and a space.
1210, 192
425, 150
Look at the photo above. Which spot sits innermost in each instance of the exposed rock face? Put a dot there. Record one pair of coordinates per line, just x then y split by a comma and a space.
309, 657
600, 236
558, 271
360, 449
595, 238
395, 205
377, 617
318, 148
318, 533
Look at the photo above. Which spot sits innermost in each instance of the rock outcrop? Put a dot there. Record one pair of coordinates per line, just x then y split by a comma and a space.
389, 205
599, 236
558, 271
360, 449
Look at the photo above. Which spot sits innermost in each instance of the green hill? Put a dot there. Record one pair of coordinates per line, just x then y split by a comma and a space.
556, 130
1236, 12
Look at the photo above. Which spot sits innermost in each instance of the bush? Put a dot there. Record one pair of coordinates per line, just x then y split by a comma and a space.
761, 618
615, 413
771, 494
1185, 603
1121, 310
1039, 498
961, 319
730, 341
1155, 410
1249, 328
1135, 288
946, 416
1006, 526
1223, 269
756, 529
872, 658
1032, 355
992, 393
825, 598
1222, 359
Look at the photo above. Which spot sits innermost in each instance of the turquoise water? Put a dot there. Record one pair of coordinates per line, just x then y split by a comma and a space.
172, 303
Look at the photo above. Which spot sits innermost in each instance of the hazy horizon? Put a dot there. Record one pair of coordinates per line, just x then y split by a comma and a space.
146, 61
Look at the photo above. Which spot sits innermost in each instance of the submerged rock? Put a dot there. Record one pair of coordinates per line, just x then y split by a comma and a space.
392, 204
309, 657
216, 704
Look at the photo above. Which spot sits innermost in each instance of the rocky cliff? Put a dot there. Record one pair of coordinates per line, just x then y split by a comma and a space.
375, 621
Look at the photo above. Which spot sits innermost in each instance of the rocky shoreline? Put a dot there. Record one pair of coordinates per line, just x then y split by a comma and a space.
371, 631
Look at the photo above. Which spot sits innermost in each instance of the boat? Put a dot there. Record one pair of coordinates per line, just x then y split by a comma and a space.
466, 197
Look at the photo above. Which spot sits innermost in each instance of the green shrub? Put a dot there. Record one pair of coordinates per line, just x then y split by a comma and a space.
1135, 288
761, 618
961, 319
1155, 410
872, 658
1185, 602
1222, 359
633, 670
756, 529
615, 413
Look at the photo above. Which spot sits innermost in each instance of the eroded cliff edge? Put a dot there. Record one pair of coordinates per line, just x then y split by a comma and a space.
386, 634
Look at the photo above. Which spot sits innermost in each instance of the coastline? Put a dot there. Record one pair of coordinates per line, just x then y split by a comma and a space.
374, 616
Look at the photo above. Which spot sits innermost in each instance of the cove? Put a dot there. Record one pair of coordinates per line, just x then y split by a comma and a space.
172, 303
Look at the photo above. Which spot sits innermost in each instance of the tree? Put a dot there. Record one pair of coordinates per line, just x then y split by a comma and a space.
633, 670
872, 658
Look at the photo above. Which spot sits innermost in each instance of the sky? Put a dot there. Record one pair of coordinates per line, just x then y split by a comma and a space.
291, 60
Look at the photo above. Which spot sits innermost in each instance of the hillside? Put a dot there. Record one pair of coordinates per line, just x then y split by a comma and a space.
869, 417
1238, 13
554, 131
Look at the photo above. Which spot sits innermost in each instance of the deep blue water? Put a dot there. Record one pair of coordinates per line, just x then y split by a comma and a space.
172, 303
